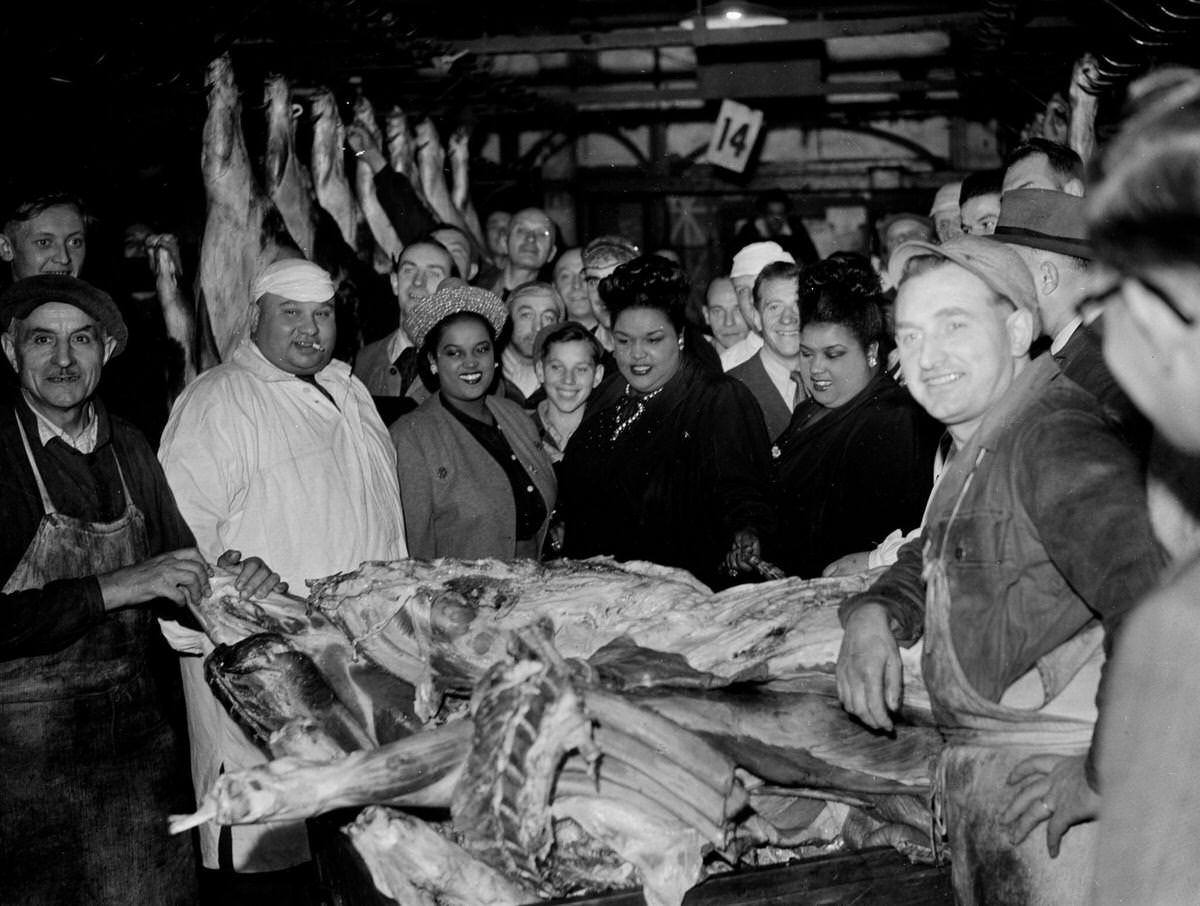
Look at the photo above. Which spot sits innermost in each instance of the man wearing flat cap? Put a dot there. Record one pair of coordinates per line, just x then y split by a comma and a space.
1036, 542
93, 547
279, 449
1047, 229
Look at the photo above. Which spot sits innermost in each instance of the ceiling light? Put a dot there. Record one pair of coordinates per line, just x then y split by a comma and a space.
734, 14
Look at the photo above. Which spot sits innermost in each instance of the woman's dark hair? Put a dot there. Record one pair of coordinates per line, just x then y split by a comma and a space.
434, 338
648, 282
843, 289
1143, 200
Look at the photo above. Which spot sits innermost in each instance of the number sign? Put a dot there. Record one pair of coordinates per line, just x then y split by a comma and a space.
734, 136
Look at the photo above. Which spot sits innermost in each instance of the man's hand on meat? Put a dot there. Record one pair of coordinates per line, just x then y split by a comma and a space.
255, 579
869, 677
182, 576
1050, 788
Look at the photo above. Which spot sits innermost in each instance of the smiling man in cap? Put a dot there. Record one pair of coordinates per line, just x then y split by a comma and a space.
92, 543
280, 450
1036, 529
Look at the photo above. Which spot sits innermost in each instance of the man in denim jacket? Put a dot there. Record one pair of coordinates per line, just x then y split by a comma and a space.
1036, 530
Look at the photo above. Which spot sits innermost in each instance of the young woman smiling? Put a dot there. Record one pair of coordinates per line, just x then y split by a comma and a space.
474, 480
856, 461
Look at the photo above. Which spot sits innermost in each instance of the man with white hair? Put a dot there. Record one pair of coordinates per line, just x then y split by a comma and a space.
279, 449
531, 307
747, 265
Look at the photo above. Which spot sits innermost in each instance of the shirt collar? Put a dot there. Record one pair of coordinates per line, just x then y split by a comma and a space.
1064, 336
398, 342
84, 442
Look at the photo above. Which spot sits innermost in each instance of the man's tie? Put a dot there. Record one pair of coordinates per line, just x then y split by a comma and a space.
798, 394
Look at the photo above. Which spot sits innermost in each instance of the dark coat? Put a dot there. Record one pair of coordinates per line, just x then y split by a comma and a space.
775, 411
849, 478
677, 483
1082, 360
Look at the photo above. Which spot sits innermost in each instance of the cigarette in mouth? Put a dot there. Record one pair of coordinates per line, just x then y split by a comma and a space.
318, 347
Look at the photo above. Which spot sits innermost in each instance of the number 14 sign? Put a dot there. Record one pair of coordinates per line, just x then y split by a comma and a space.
734, 136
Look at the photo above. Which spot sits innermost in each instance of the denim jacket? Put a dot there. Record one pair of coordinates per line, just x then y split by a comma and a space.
1050, 533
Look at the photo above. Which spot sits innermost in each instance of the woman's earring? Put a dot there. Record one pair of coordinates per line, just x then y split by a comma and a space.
433, 369
872, 362
681, 344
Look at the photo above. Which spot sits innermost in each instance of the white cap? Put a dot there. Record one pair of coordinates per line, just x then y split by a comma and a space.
757, 255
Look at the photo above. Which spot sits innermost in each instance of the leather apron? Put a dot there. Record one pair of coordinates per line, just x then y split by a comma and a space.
90, 766
986, 740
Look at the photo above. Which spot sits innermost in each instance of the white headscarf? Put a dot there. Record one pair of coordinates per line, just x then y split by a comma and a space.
295, 279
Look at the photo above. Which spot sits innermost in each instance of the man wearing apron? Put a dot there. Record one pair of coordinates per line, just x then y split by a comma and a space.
89, 695
1035, 537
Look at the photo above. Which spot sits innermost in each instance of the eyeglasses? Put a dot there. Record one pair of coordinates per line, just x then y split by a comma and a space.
1091, 305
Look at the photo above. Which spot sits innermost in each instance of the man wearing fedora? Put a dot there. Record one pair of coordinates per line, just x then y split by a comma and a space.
1036, 543
93, 547
1047, 229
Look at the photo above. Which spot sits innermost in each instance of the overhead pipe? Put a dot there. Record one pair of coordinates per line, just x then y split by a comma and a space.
1166, 24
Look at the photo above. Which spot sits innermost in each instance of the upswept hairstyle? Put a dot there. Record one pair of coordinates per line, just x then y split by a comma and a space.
843, 289
648, 282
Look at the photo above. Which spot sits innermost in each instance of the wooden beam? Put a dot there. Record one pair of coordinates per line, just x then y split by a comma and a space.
596, 97
811, 30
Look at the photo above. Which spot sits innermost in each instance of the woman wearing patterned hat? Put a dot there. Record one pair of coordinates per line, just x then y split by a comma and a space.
473, 478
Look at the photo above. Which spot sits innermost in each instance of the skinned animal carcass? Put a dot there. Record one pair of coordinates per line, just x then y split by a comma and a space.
439, 624
242, 228
329, 169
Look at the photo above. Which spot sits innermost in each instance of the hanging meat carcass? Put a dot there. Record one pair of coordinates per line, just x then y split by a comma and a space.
387, 242
242, 229
289, 183
328, 167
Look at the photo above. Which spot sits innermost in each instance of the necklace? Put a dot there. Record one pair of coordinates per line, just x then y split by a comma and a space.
630, 409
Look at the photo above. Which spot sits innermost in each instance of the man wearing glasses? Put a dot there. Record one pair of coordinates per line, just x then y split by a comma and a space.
530, 246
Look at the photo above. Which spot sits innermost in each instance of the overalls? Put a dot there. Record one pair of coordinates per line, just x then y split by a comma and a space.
986, 740
90, 767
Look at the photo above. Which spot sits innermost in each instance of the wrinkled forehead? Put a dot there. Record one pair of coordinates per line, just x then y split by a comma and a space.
538, 299
60, 317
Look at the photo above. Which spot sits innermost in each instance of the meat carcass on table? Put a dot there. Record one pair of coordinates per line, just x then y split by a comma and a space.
240, 231
439, 624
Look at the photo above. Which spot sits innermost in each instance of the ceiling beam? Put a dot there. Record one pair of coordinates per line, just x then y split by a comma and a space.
811, 30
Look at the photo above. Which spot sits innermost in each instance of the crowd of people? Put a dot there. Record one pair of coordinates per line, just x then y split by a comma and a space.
998, 416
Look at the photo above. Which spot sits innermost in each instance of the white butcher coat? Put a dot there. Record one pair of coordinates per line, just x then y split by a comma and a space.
262, 462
